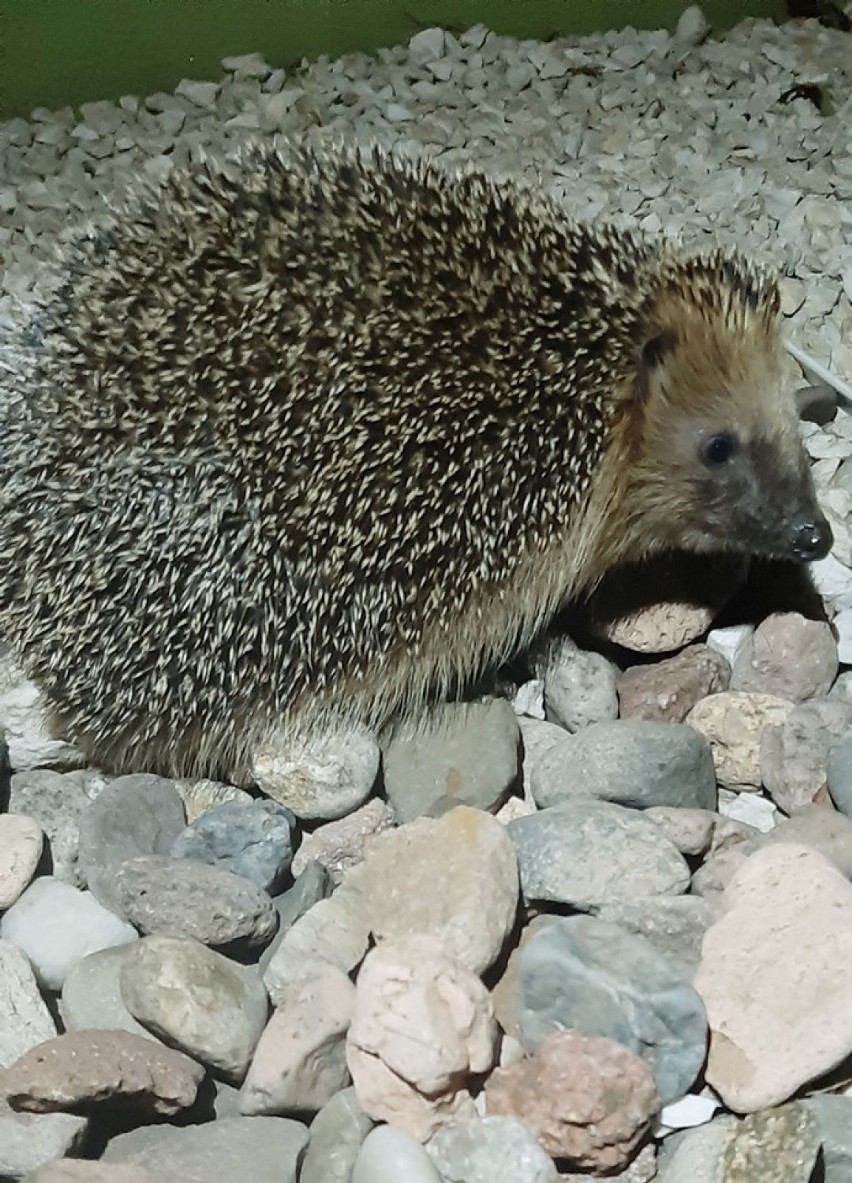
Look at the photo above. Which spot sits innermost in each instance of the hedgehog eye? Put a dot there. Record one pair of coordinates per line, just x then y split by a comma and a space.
719, 449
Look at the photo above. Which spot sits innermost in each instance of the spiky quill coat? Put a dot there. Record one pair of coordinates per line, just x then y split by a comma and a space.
323, 435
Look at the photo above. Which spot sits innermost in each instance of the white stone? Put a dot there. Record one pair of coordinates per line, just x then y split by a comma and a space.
833, 581
57, 925
387, 1155
688, 1112
326, 775
28, 734
427, 45
750, 808
203, 94
25, 1020
846, 281
529, 699
250, 65
843, 623
729, 641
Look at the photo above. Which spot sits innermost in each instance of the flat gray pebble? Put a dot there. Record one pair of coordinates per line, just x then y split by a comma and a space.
833, 1115
839, 775
196, 1000
337, 1132
24, 1018
182, 897
134, 815
27, 1140
253, 839
586, 974
314, 884
57, 802
232, 1150
91, 995
490, 1150
674, 924
632, 762
698, 1155
587, 853
467, 754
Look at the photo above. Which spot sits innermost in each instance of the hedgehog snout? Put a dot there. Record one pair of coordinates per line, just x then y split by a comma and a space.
811, 538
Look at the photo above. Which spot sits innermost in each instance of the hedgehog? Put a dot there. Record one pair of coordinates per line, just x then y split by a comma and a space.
314, 438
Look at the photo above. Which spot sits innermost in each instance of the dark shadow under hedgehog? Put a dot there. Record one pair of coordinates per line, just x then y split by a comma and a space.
317, 438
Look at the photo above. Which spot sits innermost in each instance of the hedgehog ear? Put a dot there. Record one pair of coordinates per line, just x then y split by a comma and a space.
654, 350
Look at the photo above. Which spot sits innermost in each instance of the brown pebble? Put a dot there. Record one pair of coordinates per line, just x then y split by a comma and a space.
587, 1099
83, 1068
668, 690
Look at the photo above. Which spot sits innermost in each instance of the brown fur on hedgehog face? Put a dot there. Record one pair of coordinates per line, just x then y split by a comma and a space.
716, 459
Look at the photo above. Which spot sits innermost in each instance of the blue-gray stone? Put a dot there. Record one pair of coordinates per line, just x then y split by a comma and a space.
586, 853
839, 775
586, 974
633, 762
833, 1115
254, 840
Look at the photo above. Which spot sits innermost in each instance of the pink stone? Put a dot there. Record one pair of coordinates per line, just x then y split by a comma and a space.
668, 690
733, 723
588, 1100
422, 1025
454, 878
788, 656
774, 977
300, 1061
94, 1066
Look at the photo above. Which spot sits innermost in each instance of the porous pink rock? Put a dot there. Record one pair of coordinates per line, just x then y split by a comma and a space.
733, 723
454, 878
340, 844
82, 1068
774, 977
422, 1025
588, 1100
789, 656
668, 690
659, 628
300, 1061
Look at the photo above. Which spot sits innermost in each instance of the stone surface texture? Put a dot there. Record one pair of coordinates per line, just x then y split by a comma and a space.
587, 1100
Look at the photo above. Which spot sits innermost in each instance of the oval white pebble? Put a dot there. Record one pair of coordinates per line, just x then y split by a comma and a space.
688, 1112
57, 925
388, 1155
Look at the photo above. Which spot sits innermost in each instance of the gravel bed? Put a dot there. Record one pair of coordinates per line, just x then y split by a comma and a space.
599, 926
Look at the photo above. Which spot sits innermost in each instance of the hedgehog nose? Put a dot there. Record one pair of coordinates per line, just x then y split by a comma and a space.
812, 539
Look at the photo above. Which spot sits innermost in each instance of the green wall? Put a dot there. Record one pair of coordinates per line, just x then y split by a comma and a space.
55, 52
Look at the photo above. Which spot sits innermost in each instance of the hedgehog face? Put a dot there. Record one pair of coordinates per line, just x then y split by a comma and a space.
720, 466
751, 491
